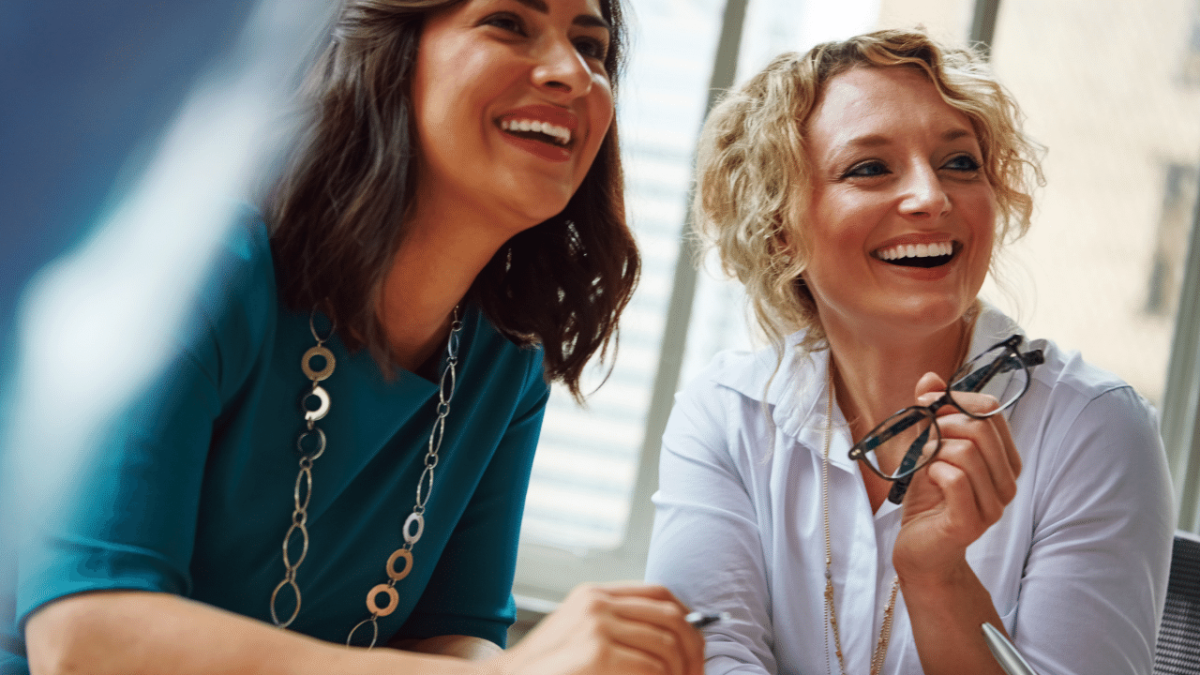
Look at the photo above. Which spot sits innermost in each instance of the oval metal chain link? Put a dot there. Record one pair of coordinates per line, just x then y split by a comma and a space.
311, 445
416, 519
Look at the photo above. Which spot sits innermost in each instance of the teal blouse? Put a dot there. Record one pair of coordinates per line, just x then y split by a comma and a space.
191, 491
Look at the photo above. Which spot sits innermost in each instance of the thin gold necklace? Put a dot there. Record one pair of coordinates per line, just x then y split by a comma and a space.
831, 622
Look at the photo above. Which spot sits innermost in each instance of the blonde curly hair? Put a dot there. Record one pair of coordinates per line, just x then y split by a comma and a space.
753, 173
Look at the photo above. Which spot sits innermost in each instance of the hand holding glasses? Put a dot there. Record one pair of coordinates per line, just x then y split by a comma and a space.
1002, 372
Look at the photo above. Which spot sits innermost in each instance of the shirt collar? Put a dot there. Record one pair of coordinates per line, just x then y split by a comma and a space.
991, 326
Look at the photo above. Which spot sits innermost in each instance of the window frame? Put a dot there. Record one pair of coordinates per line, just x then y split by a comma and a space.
1180, 422
547, 573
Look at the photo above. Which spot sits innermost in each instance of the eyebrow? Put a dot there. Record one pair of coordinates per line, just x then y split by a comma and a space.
877, 140
586, 20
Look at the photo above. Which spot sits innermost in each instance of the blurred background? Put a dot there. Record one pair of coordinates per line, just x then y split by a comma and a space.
1111, 88
139, 107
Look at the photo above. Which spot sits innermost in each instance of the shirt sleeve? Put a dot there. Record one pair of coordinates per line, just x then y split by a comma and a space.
470, 590
127, 516
1095, 580
129, 520
706, 547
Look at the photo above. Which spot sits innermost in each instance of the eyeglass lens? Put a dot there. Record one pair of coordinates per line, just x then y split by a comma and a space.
907, 441
998, 372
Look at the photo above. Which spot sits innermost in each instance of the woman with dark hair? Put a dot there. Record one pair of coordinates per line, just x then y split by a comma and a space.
448, 238
905, 464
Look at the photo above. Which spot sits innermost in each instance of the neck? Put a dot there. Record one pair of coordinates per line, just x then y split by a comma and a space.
432, 271
875, 375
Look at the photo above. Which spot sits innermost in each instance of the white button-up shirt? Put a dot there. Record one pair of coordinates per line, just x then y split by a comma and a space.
1076, 567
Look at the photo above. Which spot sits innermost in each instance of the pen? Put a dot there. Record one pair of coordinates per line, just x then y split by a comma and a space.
702, 619
1006, 654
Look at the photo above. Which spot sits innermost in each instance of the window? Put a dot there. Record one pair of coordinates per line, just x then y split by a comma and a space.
1101, 270
585, 478
1170, 243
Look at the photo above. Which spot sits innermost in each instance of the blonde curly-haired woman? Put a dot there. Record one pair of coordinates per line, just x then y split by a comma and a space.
861, 192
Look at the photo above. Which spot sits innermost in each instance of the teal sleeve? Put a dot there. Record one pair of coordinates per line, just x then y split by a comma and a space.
470, 592
129, 523
128, 520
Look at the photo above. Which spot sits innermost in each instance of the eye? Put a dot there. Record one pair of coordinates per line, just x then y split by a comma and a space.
868, 169
505, 21
963, 163
591, 48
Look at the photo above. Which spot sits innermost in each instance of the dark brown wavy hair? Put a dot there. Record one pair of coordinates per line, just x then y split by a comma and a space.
334, 213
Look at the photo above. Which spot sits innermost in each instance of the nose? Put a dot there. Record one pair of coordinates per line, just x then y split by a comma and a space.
562, 70
924, 194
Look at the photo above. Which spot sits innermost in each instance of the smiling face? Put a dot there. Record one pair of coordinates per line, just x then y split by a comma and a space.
511, 102
900, 221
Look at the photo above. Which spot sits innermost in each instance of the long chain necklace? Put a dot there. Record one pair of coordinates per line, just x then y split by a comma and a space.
311, 445
831, 622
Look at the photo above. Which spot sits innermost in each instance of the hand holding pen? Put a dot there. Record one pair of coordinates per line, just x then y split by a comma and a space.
616, 628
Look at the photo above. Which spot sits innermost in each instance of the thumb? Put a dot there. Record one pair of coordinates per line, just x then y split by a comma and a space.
929, 387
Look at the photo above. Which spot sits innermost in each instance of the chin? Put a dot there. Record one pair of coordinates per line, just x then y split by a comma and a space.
537, 209
540, 218
930, 315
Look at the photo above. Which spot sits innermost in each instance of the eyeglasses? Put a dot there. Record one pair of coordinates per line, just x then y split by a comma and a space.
1002, 372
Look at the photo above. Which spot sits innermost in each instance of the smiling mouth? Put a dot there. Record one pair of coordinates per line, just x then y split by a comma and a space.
536, 130
919, 255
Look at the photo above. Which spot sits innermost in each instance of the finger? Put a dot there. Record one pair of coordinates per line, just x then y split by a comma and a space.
991, 445
654, 643
644, 600
1010, 448
965, 524
628, 660
669, 615
929, 386
623, 614
987, 503
976, 403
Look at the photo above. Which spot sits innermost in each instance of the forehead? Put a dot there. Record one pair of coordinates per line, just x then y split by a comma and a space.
876, 105
597, 7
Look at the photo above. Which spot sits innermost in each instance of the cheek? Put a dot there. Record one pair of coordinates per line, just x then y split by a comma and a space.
430, 104
602, 109
847, 215
984, 220
983, 224
453, 81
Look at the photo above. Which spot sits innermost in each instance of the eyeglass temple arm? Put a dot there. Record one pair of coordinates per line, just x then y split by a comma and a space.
869, 444
974, 382
979, 379
899, 487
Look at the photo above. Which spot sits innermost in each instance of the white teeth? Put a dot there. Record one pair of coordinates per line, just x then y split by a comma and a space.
915, 251
561, 135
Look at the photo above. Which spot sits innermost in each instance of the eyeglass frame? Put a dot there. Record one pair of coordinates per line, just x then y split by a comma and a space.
891, 426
